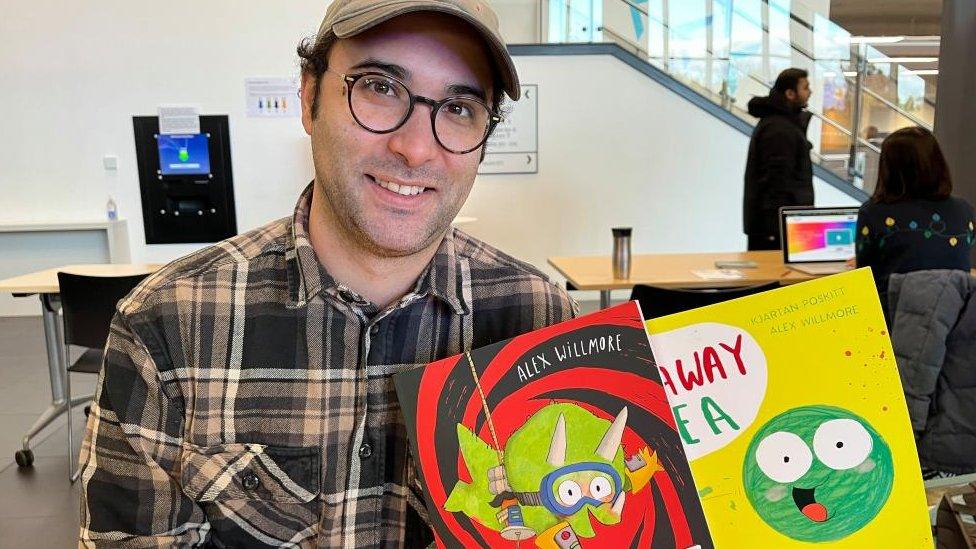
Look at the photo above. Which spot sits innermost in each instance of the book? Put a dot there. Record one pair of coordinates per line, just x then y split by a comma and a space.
791, 411
559, 438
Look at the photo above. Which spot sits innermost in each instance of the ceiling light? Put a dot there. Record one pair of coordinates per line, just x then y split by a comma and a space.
879, 60
876, 39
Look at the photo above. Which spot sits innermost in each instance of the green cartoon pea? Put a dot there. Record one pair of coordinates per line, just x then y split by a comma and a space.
817, 473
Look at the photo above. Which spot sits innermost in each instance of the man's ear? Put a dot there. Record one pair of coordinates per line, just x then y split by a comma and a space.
309, 89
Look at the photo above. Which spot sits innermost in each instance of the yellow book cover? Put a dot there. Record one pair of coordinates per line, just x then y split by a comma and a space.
791, 411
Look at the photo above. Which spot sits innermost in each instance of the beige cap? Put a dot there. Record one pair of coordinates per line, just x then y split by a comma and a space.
346, 18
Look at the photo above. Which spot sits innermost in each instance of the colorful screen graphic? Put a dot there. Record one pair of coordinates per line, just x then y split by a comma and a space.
184, 154
823, 237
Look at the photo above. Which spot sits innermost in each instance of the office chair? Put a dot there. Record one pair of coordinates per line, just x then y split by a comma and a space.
656, 301
87, 304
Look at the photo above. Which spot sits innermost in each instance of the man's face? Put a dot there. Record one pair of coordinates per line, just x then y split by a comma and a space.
435, 57
801, 95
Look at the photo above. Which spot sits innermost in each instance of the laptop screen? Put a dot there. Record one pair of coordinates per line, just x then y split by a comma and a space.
818, 234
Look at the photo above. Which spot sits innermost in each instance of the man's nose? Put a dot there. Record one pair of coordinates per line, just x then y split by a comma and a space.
414, 141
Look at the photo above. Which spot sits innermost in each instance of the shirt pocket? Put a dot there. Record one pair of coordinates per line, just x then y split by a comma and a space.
256, 472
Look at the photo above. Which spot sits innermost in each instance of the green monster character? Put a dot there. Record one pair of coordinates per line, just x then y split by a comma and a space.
817, 473
560, 467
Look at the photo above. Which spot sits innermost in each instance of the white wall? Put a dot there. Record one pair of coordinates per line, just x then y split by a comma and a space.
615, 147
74, 73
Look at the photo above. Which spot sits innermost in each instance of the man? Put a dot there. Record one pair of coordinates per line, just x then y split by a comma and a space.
246, 398
778, 172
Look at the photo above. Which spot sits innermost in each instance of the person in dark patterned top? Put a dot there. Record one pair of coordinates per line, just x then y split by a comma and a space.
911, 222
246, 399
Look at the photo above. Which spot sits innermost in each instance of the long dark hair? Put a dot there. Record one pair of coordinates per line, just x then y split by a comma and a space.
912, 167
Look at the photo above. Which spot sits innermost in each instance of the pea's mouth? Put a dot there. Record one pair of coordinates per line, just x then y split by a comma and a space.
806, 502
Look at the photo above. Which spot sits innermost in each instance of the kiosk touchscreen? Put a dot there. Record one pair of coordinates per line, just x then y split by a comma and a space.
184, 154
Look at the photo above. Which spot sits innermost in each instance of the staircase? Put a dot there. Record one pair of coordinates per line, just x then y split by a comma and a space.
718, 54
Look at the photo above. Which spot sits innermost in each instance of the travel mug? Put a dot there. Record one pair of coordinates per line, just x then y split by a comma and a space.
621, 252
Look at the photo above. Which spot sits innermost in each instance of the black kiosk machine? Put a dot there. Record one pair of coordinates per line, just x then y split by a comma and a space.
186, 182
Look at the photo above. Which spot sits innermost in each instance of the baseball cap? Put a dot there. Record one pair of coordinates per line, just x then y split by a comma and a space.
347, 18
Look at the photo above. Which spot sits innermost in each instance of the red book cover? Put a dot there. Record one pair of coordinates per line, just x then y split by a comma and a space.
560, 438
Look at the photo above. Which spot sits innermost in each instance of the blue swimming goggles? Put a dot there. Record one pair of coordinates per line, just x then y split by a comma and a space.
567, 498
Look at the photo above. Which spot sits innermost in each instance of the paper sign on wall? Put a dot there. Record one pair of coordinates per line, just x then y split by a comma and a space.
272, 97
514, 145
178, 119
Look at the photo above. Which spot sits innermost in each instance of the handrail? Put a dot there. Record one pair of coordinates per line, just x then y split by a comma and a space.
732, 117
637, 7
638, 49
720, 38
795, 17
624, 39
802, 51
821, 117
894, 107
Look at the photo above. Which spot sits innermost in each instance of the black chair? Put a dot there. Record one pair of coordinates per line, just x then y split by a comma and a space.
88, 304
656, 301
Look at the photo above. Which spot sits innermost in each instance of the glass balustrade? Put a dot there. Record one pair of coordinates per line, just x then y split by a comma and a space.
732, 50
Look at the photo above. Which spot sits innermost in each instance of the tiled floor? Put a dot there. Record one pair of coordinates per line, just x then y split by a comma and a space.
38, 507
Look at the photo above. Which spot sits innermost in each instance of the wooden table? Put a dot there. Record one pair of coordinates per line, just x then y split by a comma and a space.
672, 271
45, 285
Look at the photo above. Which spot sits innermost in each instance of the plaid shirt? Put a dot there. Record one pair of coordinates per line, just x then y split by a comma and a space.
246, 398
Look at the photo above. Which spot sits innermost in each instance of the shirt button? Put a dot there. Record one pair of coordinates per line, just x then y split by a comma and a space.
365, 451
251, 481
375, 329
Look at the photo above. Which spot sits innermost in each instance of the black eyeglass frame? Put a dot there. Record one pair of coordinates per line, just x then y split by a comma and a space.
435, 106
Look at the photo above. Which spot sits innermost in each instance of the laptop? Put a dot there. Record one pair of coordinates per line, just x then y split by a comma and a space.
817, 241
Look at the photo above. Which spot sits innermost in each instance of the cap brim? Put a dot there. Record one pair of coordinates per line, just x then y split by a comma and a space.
499, 52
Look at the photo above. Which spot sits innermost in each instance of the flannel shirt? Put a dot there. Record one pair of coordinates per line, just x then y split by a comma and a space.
246, 398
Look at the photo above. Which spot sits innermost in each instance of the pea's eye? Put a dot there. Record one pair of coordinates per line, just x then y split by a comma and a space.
842, 443
784, 457
569, 493
600, 488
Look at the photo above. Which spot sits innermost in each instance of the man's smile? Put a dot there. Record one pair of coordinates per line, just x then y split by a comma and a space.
405, 190
808, 505
401, 188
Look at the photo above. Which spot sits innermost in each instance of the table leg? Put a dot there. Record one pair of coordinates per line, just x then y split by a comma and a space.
53, 336
50, 304
604, 299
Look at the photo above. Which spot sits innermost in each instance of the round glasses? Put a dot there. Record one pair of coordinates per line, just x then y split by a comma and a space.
382, 104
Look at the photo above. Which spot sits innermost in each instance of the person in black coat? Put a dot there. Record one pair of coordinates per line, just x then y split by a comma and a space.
911, 222
778, 171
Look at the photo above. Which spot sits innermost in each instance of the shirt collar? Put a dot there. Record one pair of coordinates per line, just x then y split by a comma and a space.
444, 277
306, 276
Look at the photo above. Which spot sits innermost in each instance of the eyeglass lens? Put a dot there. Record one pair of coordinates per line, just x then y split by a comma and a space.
382, 104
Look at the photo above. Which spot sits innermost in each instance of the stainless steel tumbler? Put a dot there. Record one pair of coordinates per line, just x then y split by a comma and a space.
621, 252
